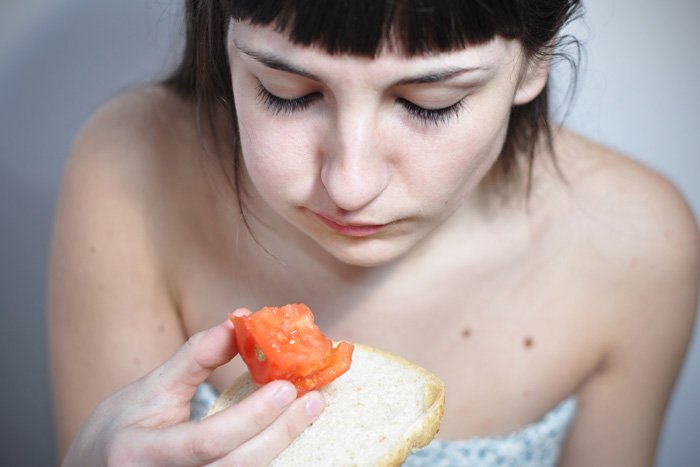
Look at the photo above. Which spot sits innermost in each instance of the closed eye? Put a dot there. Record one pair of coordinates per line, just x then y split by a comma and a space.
432, 116
278, 105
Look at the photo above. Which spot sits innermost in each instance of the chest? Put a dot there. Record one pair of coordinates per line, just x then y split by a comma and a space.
509, 343
508, 352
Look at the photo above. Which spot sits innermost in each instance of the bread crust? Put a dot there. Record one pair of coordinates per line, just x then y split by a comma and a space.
428, 426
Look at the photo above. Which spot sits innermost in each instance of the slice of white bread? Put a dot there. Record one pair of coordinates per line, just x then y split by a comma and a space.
377, 413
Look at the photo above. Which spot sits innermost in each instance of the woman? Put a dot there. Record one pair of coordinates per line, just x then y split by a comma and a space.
391, 165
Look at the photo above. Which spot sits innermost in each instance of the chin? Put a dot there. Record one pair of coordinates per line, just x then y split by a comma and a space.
366, 253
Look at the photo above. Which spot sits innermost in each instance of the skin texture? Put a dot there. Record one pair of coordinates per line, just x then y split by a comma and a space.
146, 422
367, 177
589, 287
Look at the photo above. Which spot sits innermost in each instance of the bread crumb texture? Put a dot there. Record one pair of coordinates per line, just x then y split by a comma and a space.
377, 413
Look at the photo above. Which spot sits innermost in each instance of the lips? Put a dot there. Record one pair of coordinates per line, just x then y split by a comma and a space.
351, 229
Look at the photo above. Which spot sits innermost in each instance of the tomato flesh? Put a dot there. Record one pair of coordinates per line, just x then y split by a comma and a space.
284, 343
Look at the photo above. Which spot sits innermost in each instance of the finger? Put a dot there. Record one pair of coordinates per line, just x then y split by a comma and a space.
197, 358
209, 439
263, 448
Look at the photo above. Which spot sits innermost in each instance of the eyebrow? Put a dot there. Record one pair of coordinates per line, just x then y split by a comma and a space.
278, 63
437, 76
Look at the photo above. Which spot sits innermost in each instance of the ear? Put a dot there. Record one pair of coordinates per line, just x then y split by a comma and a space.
532, 82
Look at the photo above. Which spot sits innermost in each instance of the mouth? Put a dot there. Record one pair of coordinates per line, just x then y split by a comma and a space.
351, 229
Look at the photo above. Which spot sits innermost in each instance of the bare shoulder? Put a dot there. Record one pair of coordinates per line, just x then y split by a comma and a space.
118, 161
149, 144
134, 130
625, 207
112, 314
633, 227
122, 170
634, 245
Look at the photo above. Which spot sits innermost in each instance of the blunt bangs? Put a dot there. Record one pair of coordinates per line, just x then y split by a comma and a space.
365, 27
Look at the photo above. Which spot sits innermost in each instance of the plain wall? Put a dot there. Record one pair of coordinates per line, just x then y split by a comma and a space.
60, 59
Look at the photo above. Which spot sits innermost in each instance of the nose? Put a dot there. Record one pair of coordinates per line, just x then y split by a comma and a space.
355, 169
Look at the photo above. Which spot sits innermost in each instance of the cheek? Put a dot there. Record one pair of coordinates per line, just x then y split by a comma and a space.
278, 157
449, 166
276, 151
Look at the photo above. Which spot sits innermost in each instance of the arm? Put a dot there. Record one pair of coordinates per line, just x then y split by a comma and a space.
650, 306
145, 423
111, 317
113, 321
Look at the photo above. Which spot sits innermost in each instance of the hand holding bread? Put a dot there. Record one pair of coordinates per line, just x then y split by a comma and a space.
146, 422
378, 409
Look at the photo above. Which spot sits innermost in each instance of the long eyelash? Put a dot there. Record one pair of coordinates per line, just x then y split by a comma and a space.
433, 116
278, 105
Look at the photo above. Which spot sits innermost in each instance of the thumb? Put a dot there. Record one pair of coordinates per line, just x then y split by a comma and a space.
197, 358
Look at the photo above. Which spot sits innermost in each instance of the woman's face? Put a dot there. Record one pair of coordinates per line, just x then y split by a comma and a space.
368, 156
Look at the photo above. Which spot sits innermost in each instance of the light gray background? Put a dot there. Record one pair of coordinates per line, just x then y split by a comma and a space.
60, 59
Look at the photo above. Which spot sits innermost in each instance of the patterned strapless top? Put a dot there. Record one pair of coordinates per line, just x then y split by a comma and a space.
535, 445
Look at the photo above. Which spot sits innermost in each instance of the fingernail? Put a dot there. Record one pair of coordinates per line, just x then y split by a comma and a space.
285, 395
240, 312
314, 405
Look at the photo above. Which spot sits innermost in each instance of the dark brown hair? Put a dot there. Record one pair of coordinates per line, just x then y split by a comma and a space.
362, 27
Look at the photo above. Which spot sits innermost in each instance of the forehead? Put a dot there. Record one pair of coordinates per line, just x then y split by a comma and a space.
263, 39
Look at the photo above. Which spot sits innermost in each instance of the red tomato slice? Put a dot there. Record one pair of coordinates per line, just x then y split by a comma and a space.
284, 343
